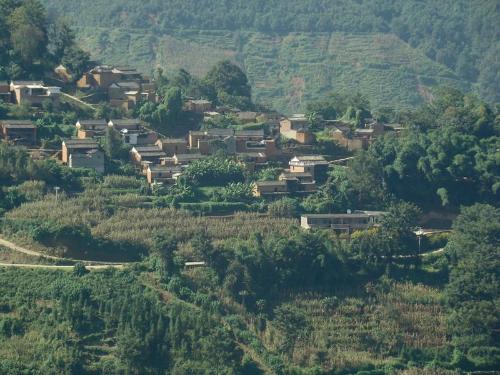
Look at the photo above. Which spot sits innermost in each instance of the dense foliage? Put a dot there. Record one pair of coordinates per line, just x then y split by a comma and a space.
31, 43
105, 323
446, 156
473, 290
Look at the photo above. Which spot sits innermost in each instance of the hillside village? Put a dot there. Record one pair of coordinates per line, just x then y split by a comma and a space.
256, 139
177, 222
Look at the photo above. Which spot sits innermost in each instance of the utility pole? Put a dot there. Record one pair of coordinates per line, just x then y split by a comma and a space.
419, 234
56, 188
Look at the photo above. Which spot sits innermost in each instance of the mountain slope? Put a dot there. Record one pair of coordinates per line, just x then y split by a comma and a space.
390, 50
288, 70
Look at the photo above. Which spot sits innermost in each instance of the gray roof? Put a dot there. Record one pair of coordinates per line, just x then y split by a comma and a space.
353, 215
127, 85
310, 158
80, 143
142, 149
27, 83
249, 133
18, 124
172, 140
99, 122
220, 132
164, 168
188, 156
270, 183
297, 174
124, 122
152, 153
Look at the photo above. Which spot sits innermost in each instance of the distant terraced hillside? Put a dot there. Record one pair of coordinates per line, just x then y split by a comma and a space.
285, 71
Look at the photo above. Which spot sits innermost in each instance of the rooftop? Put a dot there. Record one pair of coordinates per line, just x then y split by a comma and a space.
17, 124
164, 168
249, 133
270, 183
308, 158
92, 122
172, 140
188, 156
75, 143
124, 122
219, 132
158, 153
27, 83
296, 175
141, 149
356, 214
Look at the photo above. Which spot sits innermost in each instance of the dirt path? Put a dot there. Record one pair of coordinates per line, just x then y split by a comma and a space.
44, 266
74, 98
93, 265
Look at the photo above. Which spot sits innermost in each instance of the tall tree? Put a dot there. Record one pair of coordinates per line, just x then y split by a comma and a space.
28, 31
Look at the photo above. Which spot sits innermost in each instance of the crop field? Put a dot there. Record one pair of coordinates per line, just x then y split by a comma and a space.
366, 325
105, 215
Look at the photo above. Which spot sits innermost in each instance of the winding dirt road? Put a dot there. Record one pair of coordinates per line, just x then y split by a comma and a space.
91, 265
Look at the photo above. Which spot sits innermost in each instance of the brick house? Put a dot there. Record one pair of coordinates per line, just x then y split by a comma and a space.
162, 174
172, 146
132, 132
21, 132
34, 93
83, 153
316, 165
91, 128
348, 222
151, 154
297, 128
270, 189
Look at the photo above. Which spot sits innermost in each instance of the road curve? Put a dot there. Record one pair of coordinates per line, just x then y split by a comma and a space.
93, 265
53, 267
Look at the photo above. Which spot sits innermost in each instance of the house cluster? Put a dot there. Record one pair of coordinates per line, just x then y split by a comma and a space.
297, 128
360, 138
122, 86
31, 93
302, 178
164, 160
85, 151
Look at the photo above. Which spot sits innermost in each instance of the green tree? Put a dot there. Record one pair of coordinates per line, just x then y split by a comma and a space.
473, 289
227, 84
28, 32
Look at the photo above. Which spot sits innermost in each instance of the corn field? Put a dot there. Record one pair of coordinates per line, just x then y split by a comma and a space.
354, 330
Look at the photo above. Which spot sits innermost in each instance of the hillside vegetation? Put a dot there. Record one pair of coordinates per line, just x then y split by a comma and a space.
294, 51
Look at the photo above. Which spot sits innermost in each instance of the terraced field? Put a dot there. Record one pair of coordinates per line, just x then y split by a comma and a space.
289, 70
369, 325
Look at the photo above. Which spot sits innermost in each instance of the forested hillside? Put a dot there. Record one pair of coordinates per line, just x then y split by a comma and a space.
294, 51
